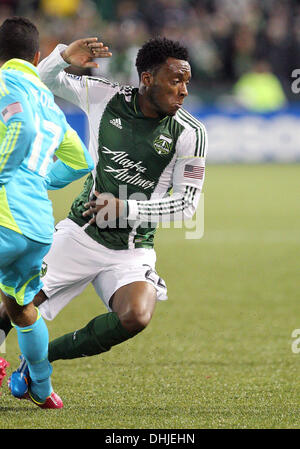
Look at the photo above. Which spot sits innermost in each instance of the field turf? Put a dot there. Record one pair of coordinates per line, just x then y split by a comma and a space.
217, 354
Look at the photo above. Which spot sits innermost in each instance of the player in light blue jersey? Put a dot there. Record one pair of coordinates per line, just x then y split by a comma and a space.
32, 130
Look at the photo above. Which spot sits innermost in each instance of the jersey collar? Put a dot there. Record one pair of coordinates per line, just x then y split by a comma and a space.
136, 105
21, 65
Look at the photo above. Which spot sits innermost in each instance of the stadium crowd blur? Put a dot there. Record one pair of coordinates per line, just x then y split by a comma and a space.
226, 39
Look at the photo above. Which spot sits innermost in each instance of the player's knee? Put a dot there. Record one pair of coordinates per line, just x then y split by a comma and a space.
142, 319
137, 320
23, 316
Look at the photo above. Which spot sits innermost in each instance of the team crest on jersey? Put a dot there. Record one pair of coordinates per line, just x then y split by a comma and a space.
163, 144
43, 269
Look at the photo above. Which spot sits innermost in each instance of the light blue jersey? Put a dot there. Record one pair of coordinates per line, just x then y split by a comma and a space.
32, 130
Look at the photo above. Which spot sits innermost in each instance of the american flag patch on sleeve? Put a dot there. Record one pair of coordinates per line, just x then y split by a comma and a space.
11, 110
193, 171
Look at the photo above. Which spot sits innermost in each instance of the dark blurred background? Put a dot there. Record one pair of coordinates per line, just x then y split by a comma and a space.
242, 52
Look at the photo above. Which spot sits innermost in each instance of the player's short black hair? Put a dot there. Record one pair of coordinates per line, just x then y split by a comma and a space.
156, 51
19, 38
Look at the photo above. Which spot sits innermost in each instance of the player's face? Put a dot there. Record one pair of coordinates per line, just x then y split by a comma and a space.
169, 86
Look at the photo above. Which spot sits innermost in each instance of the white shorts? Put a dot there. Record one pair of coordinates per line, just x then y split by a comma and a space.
75, 260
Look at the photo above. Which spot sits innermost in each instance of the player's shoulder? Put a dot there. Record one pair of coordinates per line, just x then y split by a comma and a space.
16, 80
10, 78
112, 88
97, 81
123, 92
127, 90
188, 121
193, 134
93, 83
12, 86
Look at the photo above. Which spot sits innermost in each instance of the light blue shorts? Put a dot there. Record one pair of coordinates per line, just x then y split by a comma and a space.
21, 262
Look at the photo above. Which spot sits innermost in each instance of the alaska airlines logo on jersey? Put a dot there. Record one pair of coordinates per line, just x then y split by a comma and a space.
163, 144
127, 167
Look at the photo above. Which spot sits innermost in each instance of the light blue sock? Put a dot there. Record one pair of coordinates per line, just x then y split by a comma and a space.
33, 342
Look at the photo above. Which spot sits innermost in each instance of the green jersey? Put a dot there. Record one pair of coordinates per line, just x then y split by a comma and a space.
138, 159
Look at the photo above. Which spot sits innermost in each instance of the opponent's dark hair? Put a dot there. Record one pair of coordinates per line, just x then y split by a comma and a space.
156, 51
19, 38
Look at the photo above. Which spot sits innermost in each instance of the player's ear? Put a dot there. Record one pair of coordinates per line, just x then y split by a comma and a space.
147, 79
36, 58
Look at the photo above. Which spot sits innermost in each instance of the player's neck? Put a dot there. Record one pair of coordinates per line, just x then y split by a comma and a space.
146, 106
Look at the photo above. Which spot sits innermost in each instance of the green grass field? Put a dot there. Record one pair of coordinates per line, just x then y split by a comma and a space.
218, 353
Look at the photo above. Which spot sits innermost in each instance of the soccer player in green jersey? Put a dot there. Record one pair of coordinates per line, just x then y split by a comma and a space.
144, 144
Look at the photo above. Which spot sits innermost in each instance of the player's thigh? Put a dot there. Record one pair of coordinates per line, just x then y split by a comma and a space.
69, 267
130, 284
12, 244
20, 279
68, 262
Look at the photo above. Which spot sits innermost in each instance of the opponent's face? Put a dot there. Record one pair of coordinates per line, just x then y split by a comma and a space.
168, 87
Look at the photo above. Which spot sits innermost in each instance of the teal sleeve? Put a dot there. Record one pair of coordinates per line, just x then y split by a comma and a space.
73, 152
61, 175
74, 162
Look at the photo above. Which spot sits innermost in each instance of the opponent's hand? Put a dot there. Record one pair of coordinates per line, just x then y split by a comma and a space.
81, 53
105, 209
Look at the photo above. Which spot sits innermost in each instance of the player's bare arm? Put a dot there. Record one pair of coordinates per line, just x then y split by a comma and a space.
81, 52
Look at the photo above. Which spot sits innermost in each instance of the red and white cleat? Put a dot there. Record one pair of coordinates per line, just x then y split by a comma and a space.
52, 401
